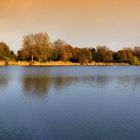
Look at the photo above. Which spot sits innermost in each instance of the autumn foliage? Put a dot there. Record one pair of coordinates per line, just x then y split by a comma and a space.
38, 47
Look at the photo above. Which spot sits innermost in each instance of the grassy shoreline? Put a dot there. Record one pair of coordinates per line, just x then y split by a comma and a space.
58, 63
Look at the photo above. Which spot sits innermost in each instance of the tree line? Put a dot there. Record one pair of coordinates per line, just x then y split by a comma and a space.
38, 47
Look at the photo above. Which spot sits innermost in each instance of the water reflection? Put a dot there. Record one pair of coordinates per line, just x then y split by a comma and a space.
41, 85
4, 77
37, 86
128, 81
63, 82
90, 104
3, 81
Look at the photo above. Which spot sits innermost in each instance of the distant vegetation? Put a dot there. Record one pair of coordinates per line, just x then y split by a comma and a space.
38, 47
5, 53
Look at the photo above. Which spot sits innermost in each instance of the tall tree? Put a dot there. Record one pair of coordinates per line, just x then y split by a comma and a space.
36, 47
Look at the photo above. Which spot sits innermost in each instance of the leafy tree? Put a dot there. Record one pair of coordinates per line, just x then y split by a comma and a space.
39, 47
54, 54
36, 47
76, 54
122, 56
94, 54
137, 52
65, 51
104, 54
5, 53
127, 56
85, 56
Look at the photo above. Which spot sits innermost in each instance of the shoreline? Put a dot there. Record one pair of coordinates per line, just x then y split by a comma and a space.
58, 63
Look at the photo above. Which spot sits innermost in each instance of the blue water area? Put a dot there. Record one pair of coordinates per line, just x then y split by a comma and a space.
70, 103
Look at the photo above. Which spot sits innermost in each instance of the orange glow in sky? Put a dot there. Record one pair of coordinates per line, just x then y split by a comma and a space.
82, 23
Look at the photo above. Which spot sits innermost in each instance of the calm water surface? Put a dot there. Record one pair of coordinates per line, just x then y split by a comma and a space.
70, 103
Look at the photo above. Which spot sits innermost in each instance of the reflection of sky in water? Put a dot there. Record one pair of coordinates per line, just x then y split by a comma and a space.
39, 81
70, 103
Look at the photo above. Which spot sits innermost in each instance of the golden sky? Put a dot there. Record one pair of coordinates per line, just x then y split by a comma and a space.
82, 23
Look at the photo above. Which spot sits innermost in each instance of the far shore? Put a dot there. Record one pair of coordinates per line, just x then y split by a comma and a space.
58, 63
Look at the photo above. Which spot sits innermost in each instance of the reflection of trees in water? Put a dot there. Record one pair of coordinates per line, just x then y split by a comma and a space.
3, 81
4, 77
36, 86
136, 80
129, 80
63, 82
39, 86
103, 80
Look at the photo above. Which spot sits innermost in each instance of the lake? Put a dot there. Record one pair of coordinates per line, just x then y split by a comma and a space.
70, 103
